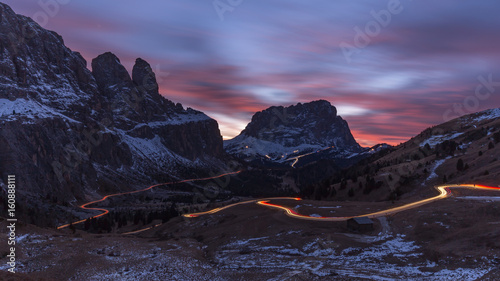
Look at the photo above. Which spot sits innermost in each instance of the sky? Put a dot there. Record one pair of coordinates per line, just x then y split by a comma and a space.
392, 68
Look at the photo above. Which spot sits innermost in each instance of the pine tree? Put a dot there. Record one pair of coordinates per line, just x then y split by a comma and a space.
491, 145
343, 184
124, 220
86, 224
350, 193
460, 165
72, 228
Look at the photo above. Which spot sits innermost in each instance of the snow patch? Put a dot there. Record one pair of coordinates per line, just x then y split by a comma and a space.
178, 119
488, 115
433, 170
29, 109
437, 139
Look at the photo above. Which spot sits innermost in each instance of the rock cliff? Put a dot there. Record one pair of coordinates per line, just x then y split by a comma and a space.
69, 133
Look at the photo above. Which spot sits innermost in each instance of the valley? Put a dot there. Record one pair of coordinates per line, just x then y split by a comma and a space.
117, 180
253, 242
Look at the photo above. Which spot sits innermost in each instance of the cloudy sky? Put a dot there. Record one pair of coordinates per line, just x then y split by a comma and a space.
392, 68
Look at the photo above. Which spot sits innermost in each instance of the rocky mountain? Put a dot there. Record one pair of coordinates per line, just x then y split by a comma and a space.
284, 134
68, 133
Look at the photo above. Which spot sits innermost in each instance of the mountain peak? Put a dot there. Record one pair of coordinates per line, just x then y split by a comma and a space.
108, 71
319, 102
143, 76
322, 106
303, 127
311, 115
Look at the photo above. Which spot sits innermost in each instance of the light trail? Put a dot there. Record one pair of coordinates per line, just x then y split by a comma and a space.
444, 192
106, 211
194, 215
296, 158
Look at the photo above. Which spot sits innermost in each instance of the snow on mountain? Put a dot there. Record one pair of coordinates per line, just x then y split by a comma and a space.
28, 109
282, 133
177, 119
473, 120
488, 115
482, 116
437, 139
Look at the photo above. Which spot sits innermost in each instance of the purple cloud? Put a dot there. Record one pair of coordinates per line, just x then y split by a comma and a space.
424, 61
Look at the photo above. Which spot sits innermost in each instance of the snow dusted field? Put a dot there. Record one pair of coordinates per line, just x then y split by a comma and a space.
293, 254
390, 258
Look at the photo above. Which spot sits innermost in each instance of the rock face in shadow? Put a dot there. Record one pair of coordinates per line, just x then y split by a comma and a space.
67, 132
315, 122
281, 132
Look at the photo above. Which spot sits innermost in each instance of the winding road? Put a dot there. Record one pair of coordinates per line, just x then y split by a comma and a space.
444, 192
194, 215
106, 211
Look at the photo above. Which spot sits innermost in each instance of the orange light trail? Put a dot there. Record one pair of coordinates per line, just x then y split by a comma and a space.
444, 192
194, 215
105, 211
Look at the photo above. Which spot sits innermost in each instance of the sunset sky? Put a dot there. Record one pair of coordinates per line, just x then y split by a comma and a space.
392, 68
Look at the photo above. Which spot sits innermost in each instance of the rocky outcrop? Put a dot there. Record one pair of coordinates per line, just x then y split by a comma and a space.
144, 77
35, 64
67, 132
137, 107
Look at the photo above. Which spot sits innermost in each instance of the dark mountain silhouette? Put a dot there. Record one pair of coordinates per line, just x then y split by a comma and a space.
278, 134
66, 131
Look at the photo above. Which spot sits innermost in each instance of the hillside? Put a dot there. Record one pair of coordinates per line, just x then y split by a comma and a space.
430, 158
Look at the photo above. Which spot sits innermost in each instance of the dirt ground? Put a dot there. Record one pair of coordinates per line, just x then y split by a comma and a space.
454, 239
